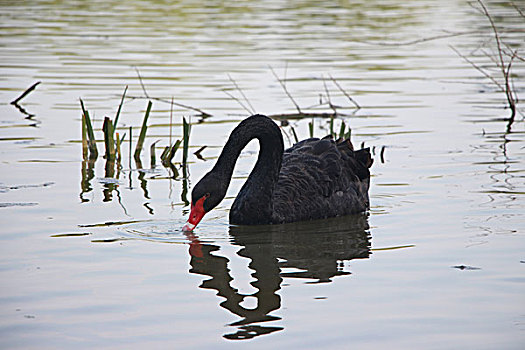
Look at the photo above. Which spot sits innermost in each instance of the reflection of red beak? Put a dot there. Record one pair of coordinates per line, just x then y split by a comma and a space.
196, 214
195, 245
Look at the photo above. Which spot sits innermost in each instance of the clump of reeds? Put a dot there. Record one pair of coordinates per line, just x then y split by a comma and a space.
343, 134
89, 145
169, 152
113, 141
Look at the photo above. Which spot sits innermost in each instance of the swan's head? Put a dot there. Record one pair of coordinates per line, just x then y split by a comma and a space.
206, 195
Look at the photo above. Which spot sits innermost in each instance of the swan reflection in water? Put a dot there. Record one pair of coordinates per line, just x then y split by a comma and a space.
316, 251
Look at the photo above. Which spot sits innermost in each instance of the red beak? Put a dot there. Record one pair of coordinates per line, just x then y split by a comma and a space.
196, 214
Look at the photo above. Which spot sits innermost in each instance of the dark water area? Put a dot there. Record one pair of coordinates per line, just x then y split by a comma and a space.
92, 253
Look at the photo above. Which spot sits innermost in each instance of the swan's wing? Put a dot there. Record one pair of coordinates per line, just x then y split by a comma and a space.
321, 178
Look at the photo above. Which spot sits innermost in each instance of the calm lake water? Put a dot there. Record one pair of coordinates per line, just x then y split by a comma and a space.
95, 259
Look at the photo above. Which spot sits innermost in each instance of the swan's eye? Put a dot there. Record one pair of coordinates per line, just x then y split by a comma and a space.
207, 195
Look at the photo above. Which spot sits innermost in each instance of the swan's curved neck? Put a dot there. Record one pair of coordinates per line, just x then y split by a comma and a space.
253, 204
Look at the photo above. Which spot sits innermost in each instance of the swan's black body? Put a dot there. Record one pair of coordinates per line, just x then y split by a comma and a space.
316, 178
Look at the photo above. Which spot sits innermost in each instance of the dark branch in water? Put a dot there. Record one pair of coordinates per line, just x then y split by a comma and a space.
505, 69
504, 83
198, 153
25, 93
26, 113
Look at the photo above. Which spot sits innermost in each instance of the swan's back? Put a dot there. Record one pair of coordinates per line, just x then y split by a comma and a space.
321, 178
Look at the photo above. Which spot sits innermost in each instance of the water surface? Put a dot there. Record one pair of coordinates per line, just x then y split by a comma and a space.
92, 258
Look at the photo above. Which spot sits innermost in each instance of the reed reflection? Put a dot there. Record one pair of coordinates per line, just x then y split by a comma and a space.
109, 187
87, 175
317, 249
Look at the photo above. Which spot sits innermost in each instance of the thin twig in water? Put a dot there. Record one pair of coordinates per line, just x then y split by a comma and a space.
496, 36
510, 97
505, 69
286, 91
329, 98
243, 95
200, 111
141, 83
510, 52
171, 117
146, 96
479, 69
238, 101
345, 93
522, 14
422, 40
285, 71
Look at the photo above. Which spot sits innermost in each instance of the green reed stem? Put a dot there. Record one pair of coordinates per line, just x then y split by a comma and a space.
169, 153
92, 143
85, 149
109, 142
294, 134
119, 141
186, 129
342, 130
348, 134
152, 154
119, 109
164, 153
143, 130
130, 143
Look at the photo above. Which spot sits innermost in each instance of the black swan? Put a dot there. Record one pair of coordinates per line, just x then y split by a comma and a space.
314, 179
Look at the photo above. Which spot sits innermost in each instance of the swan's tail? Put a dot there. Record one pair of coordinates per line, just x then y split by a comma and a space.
363, 155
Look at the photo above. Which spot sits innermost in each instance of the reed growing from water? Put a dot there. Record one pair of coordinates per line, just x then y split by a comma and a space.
91, 141
117, 144
186, 129
143, 129
169, 153
153, 160
109, 142
294, 134
342, 129
85, 149
117, 115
